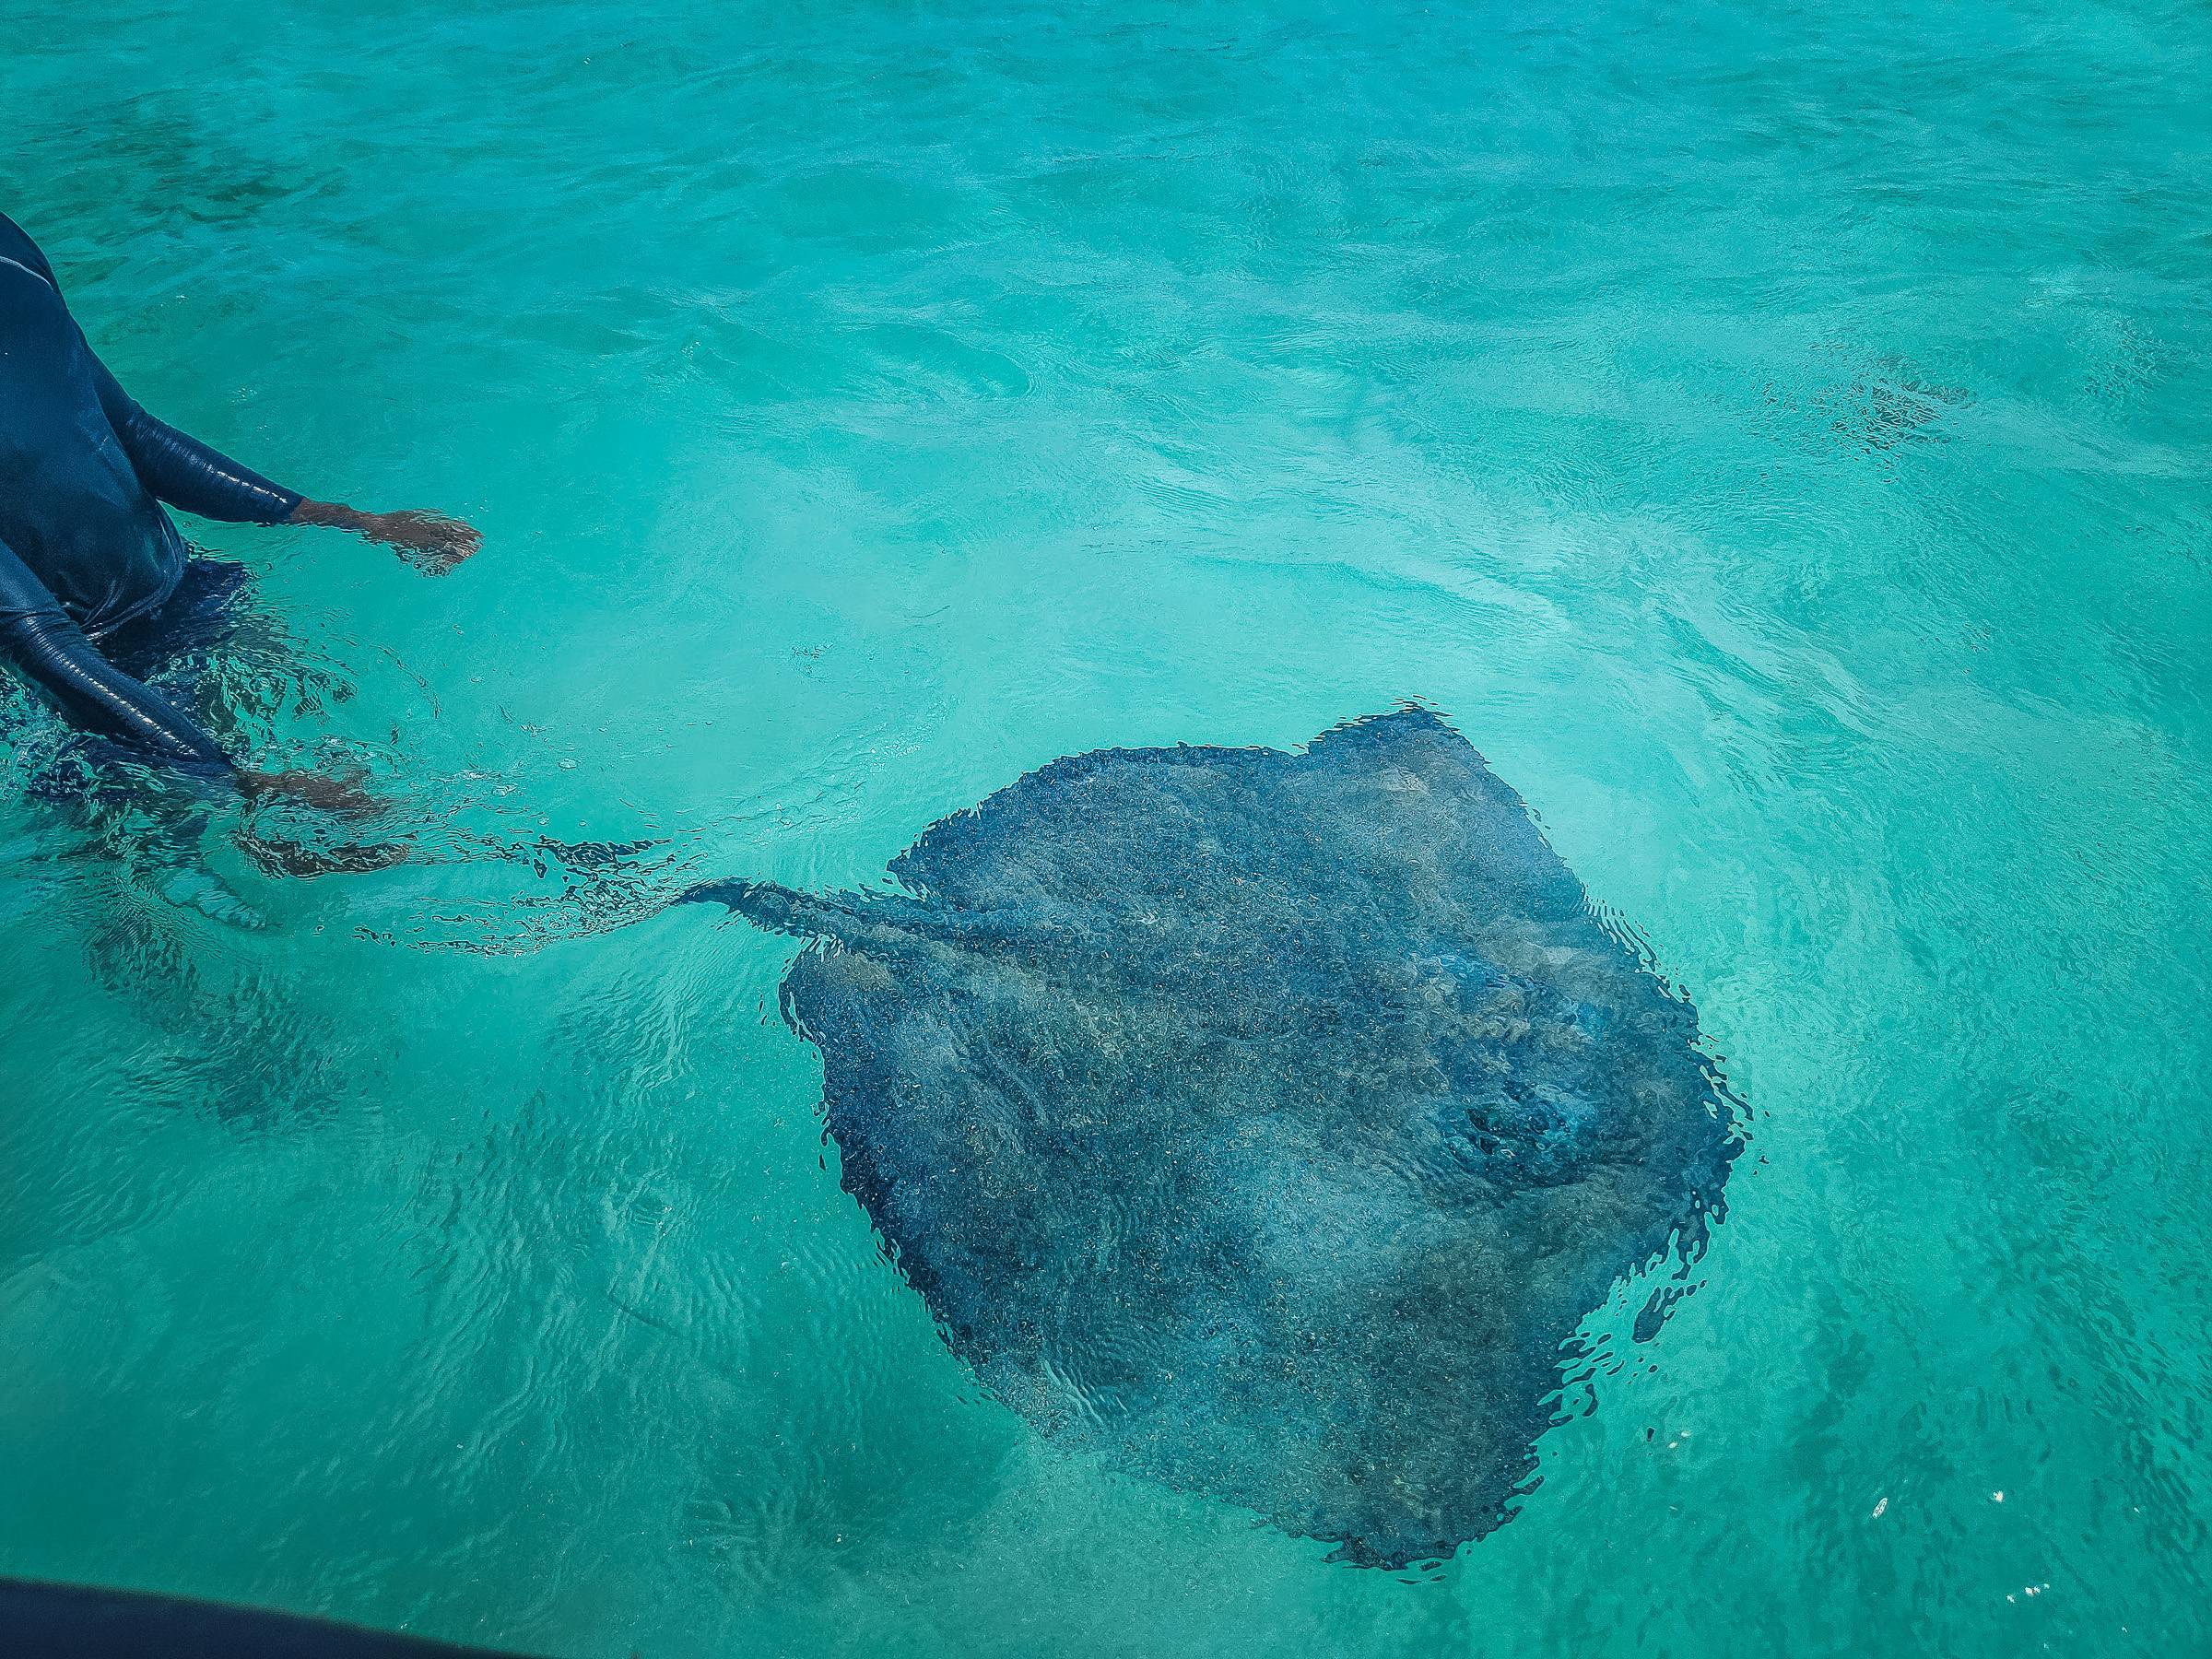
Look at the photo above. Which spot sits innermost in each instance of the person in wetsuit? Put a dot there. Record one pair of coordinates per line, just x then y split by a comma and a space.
86, 548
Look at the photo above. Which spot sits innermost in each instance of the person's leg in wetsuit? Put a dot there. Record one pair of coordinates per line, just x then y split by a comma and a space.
87, 548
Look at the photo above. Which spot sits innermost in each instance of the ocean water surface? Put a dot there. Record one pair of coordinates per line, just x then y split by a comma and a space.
1779, 436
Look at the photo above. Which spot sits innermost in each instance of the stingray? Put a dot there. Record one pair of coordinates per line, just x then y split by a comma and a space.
1264, 1123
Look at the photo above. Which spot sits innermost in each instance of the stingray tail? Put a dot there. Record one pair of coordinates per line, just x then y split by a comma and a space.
779, 909
850, 919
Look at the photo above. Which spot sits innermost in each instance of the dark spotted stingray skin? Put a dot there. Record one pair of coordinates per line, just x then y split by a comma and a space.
1265, 1122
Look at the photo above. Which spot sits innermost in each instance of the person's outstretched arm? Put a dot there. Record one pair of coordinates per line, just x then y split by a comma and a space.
185, 473
51, 651
40, 641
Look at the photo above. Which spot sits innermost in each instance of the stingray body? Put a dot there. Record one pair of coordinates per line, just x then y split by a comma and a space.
1265, 1122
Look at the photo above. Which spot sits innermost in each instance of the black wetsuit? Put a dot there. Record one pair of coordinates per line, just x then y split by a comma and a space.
85, 546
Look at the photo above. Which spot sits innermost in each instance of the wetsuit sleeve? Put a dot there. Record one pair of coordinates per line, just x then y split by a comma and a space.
185, 472
39, 639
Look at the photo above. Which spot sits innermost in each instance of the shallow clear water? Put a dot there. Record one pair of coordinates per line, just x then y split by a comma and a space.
1777, 438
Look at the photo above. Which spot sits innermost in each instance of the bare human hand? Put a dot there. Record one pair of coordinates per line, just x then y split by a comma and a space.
431, 542
340, 795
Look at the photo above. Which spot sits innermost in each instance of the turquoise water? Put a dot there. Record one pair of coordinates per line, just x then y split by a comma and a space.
1776, 435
